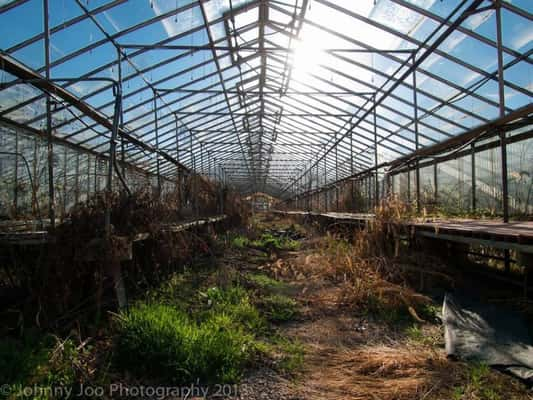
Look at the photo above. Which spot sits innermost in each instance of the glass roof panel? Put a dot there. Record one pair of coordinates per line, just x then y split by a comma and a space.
304, 88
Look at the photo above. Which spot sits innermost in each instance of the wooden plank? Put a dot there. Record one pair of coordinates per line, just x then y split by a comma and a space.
514, 232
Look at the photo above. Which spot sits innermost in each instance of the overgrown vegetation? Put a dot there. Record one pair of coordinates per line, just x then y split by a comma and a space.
265, 282
165, 343
213, 323
279, 308
480, 383
266, 241
287, 355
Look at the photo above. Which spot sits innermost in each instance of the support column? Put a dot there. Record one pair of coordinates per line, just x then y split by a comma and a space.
77, 182
473, 177
158, 171
65, 183
336, 174
436, 182
122, 143
417, 143
503, 142
50, 143
201, 158
16, 175
112, 158
374, 117
352, 200
325, 191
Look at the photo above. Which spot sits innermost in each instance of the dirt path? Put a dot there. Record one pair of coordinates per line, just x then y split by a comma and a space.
346, 356
350, 355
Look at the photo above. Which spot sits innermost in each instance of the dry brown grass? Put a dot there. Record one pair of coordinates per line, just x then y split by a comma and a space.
375, 277
379, 372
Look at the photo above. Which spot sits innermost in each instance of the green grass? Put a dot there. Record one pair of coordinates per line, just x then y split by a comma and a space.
266, 241
429, 312
269, 241
236, 303
266, 282
279, 308
287, 355
478, 385
240, 242
415, 333
164, 343
293, 355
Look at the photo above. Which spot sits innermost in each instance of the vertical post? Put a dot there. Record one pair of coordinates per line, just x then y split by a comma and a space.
77, 177
177, 138
178, 159
417, 144
35, 180
221, 172
158, 172
317, 196
202, 158
112, 157
50, 144
16, 174
473, 166
65, 181
408, 183
435, 179
503, 143
95, 174
352, 194
376, 155
336, 174
88, 176
325, 190
122, 144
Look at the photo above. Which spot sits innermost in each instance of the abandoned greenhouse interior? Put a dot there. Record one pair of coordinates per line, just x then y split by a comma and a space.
266, 199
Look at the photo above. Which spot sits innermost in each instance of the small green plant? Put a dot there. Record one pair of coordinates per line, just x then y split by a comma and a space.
390, 313
478, 372
266, 282
415, 333
287, 355
429, 312
164, 343
235, 302
279, 308
478, 385
293, 355
269, 241
458, 392
240, 242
